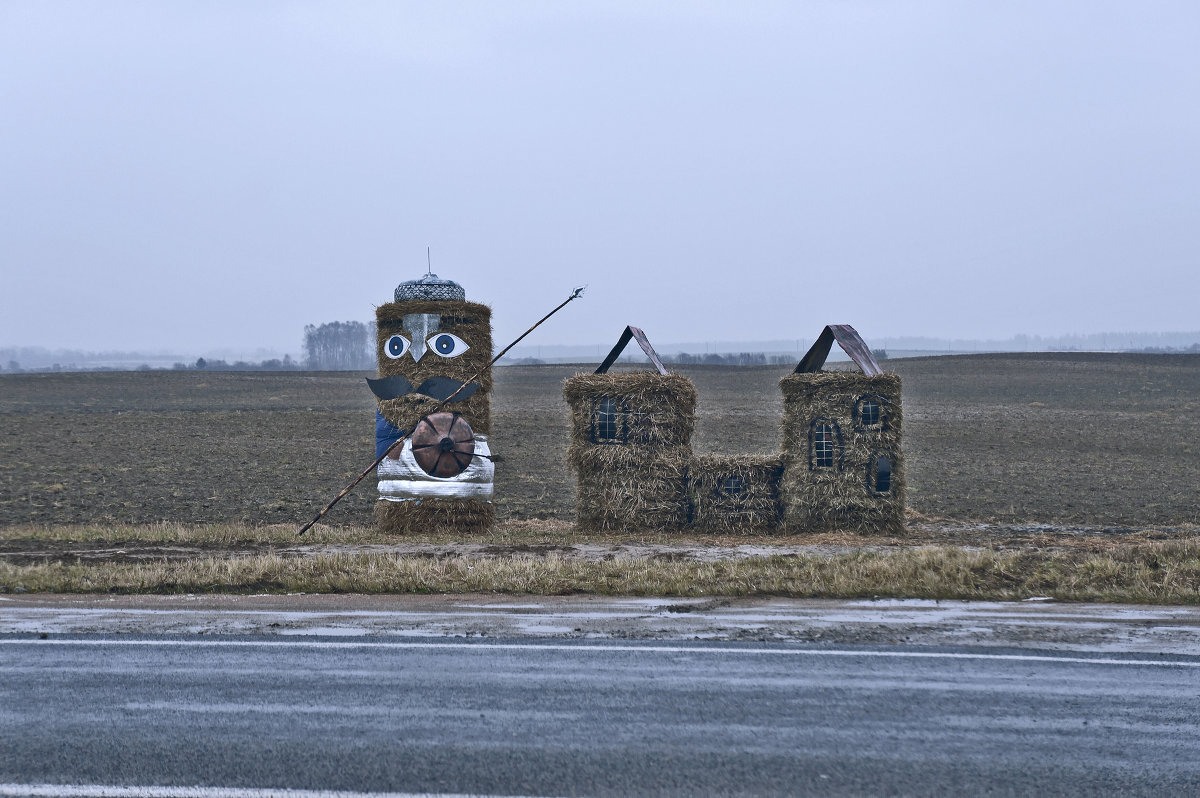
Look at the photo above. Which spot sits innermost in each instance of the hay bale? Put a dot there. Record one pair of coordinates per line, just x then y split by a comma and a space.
432, 515
618, 490
842, 495
470, 321
631, 471
655, 410
735, 494
469, 510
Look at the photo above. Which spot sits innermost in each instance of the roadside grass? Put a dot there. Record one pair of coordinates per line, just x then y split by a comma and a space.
922, 531
1158, 573
524, 532
516, 533
173, 532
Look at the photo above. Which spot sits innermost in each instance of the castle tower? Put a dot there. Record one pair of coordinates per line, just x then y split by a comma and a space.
843, 465
631, 444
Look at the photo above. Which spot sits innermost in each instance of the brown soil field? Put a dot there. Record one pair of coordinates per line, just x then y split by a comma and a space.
1095, 440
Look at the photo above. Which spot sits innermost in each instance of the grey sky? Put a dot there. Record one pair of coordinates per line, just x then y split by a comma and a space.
189, 176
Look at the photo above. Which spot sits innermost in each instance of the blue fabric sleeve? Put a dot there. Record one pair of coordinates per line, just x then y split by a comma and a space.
386, 433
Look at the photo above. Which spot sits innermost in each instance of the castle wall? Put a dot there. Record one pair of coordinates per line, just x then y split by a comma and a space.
735, 493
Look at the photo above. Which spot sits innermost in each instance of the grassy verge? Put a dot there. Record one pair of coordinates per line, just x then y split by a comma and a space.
171, 532
506, 533
1160, 573
922, 531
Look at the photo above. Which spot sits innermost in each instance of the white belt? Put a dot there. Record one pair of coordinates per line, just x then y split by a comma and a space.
402, 479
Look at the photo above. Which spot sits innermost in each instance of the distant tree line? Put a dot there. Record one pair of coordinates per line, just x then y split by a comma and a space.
339, 346
730, 359
745, 358
1170, 350
707, 359
200, 364
211, 364
333, 346
349, 346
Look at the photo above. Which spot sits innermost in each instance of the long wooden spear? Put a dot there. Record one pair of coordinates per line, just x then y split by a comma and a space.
578, 292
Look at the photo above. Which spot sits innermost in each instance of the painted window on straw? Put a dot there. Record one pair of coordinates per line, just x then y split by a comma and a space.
608, 421
824, 439
879, 477
869, 411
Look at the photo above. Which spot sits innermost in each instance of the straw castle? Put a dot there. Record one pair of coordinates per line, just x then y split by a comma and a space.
840, 465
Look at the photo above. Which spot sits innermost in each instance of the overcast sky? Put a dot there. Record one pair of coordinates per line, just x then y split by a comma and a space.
196, 175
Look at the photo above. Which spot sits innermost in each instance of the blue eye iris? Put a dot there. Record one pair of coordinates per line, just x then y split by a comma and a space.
448, 345
396, 346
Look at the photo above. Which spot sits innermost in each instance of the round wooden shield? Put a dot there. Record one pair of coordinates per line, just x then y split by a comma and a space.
442, 444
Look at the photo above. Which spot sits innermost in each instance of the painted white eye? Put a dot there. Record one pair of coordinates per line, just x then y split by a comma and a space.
396, 346
447, 345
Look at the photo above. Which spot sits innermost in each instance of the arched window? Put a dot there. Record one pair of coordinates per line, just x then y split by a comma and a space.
824, 444
879, 475
871, 412
608, 421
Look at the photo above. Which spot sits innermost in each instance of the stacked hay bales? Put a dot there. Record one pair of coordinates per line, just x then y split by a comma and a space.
735, 494
843, 466
470, 321
631, 449
430, 341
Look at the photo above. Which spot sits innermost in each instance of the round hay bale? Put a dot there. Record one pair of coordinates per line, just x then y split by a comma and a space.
471, 322
434, 515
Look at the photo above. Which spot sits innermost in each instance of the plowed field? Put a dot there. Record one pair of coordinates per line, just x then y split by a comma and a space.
1100, 440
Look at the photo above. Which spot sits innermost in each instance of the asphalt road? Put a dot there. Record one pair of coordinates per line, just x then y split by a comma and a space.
536, 717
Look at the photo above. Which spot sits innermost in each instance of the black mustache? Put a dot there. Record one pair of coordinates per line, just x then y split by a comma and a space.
440, 388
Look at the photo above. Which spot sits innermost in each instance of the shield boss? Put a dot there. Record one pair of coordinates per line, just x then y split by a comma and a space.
442, 444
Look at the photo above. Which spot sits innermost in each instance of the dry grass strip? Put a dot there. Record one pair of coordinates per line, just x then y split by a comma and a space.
922, 531
1159, 573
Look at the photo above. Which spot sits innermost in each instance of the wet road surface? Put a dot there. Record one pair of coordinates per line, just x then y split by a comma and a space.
1038, 624
592, 717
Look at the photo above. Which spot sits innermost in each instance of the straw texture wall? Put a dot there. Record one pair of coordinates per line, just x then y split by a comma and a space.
842, 496
735, 494
470, 321
433, 514
633, 473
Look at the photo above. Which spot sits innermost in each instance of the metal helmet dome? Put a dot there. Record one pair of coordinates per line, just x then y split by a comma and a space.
430, 286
